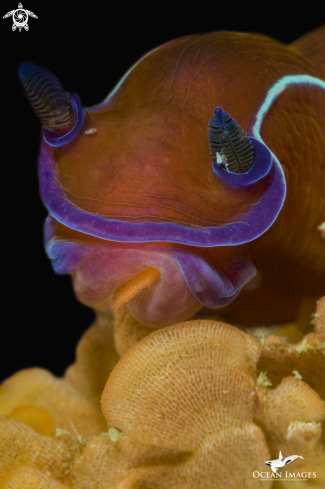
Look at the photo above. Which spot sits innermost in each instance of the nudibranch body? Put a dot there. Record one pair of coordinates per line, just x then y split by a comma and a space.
131, 185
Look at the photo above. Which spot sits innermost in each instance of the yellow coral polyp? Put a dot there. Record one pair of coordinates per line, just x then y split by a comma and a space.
36, 417
131, 288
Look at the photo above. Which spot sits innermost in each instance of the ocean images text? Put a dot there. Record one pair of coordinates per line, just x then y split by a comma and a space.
286, 476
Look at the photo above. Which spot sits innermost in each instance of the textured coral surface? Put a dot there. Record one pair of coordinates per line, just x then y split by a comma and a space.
196, 404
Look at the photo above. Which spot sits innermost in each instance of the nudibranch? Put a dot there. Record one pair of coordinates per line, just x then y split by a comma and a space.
203, 165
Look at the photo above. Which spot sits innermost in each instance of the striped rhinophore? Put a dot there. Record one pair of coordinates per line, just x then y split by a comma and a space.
47, 97
229, 144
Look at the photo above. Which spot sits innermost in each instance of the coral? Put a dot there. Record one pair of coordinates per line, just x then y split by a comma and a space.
72, 402
130, 289
197, 404
127, 331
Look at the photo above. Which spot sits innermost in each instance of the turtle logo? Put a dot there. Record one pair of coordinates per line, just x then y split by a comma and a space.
20, 18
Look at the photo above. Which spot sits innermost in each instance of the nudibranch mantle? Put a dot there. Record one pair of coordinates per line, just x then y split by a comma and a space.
236, 233
250, 227
102, 250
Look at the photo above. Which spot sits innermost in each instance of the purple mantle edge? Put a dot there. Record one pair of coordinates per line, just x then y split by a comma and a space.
252, 225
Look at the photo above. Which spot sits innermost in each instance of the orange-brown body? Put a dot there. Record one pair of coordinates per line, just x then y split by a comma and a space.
149, 160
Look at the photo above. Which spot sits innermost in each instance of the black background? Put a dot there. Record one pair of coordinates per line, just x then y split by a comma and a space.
89, 47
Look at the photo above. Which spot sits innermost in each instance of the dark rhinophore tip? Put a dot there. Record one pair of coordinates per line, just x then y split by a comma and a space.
48, 98
229, 144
